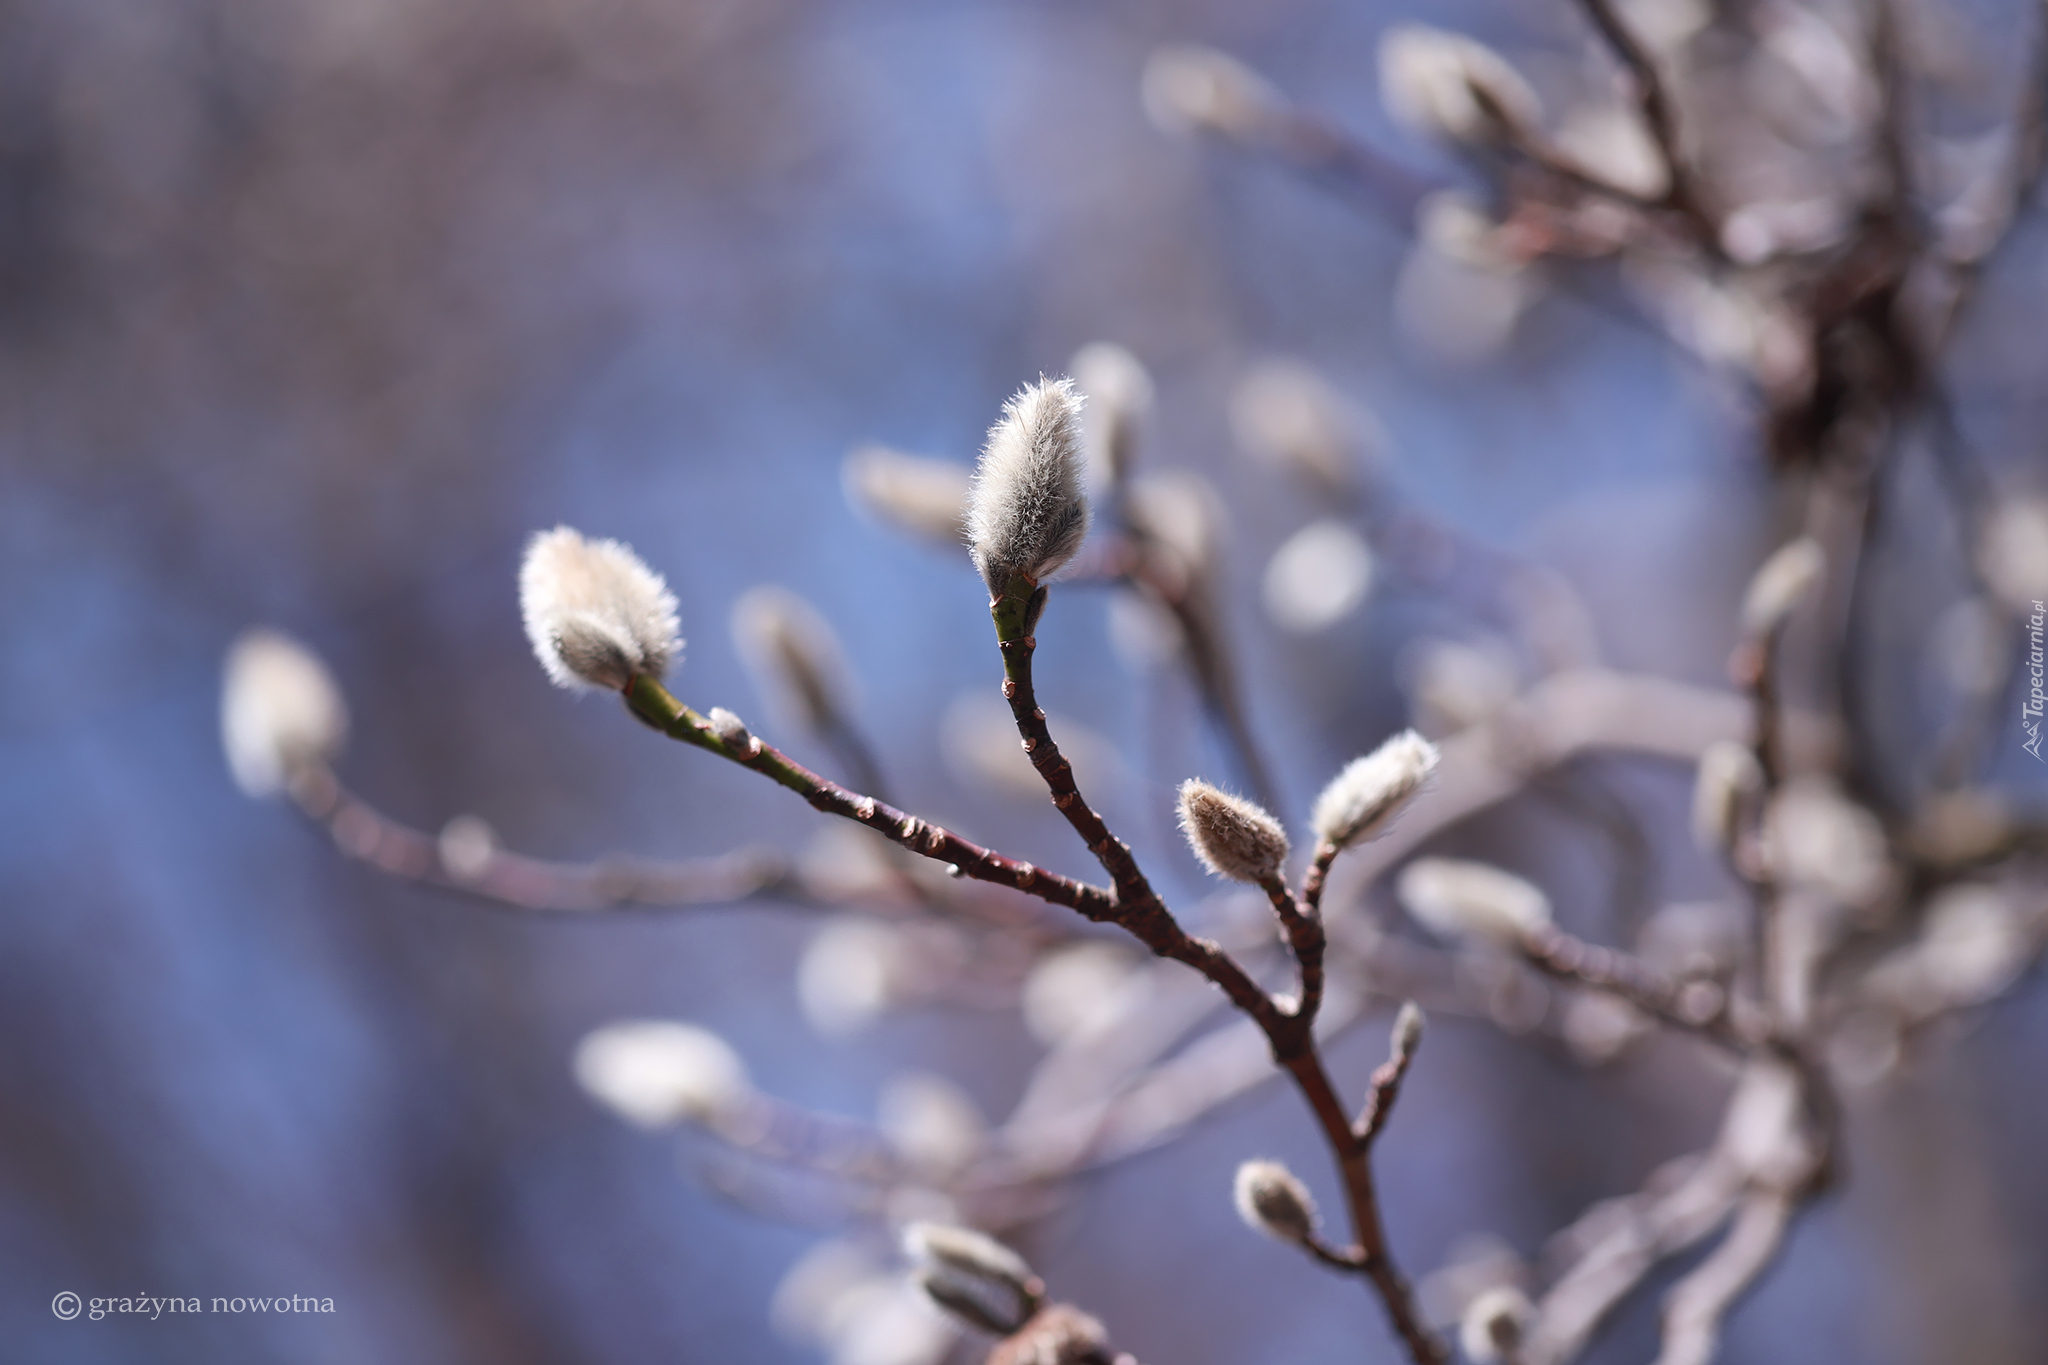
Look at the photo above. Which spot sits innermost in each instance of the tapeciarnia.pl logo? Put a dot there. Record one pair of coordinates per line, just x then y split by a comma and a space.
2037, 697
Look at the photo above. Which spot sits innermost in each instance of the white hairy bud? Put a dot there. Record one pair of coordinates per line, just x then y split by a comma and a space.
1232, 836
1027, 514
1494, 1324
925, 497
655, 1072
732, 732
1119, 400
279, 710
596, 615
1454, 898
1451, 87
973, 1276
1728, 776
1271, 1200
1784, 579
792, 653
1363, 800
1198, 89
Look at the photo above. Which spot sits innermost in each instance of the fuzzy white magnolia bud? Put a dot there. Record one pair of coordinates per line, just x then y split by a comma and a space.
596, 615
792, 653
654, 1072
1232, 836
1728, 776
1494, 1324
1119, 400
1271, 1200
1198, 89
1452, 87
925, 497
1454, 898
279, 709
1027, 514
973, 1276
1363, 800
1784, 578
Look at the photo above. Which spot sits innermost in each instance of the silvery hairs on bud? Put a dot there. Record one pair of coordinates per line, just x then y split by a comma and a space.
1272, 1200
1233, 837
1362, 801
279, 709
596, 615
1027, 514
973, 1276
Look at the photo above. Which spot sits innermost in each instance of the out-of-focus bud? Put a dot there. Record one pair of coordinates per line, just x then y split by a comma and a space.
974, 1276
1817, 839
466, 848
1599, 1027
1612, 143
848, 974
1198, 89
1407, 1034
930, 1122
1074, 990
1971, 948
978, 740
1362, 801
1455, 684
1271, 1200
1458, 296
927, 498
1284, 414
1494, 1324
1456, 899
279, 711
811, 1302
1231, 836
1728, 777
1786, 577
1059, 1334
2014, 554
1027, 513
1119, 394
596, 615
793, 655
1182, 515
655, 1072
1317, 577
1454, 88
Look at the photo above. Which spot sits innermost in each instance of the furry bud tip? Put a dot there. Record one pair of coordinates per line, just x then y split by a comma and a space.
654, 1072
1272, 1200
1456, 899
596, 615
279, 711
1407, 1030
1363, 800
1232, 836
1027, 514
973, 1276
1783, 580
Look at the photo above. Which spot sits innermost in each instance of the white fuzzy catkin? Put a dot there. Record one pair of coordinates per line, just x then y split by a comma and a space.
1363, 800
923, 496
1784, 579
1027, 514
1494, 1323
595, 614
973, 1275
1231, 836
1451, 87
1186, 88
655, 1072
1272, 1200
793, 654
1454, 899
279, 710
1119, 401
